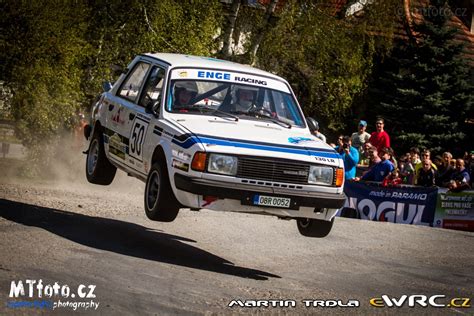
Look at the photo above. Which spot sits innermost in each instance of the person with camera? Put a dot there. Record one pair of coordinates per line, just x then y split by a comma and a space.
350, 155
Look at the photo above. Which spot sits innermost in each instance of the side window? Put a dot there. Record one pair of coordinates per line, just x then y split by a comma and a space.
153, 87
131, 86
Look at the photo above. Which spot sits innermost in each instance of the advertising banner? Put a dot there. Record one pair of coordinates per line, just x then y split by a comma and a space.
455, 210
406, 205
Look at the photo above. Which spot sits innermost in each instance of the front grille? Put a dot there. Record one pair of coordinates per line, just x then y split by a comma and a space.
276, 170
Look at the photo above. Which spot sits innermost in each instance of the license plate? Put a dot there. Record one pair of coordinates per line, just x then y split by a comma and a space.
272, 201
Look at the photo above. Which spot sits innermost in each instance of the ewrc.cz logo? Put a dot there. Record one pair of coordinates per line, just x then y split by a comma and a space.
420, 300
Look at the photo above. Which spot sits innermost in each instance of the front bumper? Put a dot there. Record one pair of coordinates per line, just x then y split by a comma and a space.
245, 195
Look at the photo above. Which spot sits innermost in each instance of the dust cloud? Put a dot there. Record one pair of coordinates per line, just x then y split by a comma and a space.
62, 165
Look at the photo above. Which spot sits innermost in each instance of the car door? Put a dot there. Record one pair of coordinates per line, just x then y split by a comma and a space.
121, 112
145, 110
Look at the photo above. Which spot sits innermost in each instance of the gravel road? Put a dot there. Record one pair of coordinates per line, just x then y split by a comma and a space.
76, 233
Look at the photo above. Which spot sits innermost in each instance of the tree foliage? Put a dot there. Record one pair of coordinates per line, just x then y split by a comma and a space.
424, 91
327, 59
42, 49
55, 55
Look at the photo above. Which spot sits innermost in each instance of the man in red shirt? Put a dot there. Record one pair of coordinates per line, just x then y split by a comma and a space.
380, 138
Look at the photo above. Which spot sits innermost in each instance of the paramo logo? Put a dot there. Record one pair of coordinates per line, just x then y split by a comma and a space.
439, 301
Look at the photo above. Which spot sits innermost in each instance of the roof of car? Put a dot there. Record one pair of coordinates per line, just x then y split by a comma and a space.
179, 60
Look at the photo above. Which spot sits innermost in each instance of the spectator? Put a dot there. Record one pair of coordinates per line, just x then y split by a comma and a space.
426, 176
469, 164
380, 138
361, 137
406, 169
415, 156
374, 157
393, 179
364, 154
426, 155
314, 128
445, 171
392, 158
460, 179
78, 131
381, 169
438, 161
350, 155
339, 141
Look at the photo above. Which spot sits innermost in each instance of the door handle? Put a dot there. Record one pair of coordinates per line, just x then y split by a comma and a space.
111, 107
131, 116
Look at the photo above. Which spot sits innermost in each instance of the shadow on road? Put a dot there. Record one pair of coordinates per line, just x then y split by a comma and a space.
124, 238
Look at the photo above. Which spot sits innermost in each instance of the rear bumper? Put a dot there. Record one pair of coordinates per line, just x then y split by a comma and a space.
223, 191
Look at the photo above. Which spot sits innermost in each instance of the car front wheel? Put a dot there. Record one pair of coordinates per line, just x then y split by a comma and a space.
310, 227
160, 202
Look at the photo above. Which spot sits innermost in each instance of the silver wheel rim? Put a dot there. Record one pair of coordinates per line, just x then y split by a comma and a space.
92, 157
153, 188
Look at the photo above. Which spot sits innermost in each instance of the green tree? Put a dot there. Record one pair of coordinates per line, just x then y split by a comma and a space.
326, 58
424, 91
42, 47
55, 55
119, 30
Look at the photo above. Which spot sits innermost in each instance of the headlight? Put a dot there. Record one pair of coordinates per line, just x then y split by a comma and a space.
320, 175
222, 164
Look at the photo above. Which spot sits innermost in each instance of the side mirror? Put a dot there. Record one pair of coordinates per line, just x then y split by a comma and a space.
106, 86
313, 125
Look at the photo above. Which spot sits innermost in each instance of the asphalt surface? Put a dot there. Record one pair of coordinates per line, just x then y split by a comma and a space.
76, 233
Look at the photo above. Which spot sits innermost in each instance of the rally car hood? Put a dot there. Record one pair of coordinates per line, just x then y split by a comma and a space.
248, 134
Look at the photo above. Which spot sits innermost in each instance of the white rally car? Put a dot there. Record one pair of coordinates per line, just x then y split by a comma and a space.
207, 133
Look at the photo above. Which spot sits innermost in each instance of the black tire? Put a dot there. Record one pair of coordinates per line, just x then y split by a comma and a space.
310, 227
160, 203
99, 170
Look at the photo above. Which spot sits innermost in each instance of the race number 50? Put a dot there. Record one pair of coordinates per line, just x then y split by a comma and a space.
137, 138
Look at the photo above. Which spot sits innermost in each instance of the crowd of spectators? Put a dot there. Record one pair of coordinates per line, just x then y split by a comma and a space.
371, 156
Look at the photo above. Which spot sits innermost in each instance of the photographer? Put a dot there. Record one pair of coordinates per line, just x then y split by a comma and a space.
350, 155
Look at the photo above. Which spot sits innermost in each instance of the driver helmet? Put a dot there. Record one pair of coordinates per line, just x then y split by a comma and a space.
183, 87
245, 96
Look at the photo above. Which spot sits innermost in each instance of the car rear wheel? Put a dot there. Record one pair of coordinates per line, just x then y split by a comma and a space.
160, 203
310, 227
99, 170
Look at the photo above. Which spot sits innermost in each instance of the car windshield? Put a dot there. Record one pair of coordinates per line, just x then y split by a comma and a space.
235, 100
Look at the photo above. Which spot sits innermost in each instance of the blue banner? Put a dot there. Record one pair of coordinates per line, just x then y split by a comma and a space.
405, 205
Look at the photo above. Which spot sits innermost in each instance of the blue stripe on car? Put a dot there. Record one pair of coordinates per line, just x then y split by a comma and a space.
192, 139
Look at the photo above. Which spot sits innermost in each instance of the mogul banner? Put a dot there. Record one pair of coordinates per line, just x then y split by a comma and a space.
405, 205
455, 210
